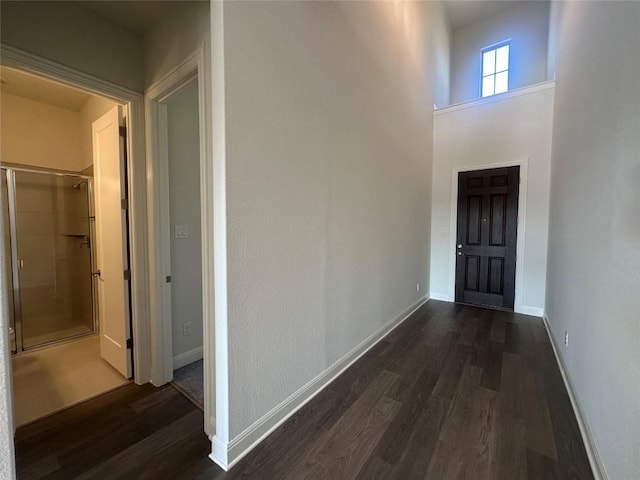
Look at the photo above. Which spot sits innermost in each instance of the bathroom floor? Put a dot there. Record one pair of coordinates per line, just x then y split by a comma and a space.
53, 333
51, 379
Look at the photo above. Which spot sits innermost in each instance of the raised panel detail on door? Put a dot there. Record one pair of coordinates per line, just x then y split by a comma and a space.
495, 283
499, 180
498, 219
472, 273
486, 237
475, 182
474, 220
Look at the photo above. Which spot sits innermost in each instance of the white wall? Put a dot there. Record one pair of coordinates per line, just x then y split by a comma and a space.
440, 39
184, 29
328, 171
594, 231
184, 206
510, 128
76, 37
41, 135
7, 462
555, 10
527, 26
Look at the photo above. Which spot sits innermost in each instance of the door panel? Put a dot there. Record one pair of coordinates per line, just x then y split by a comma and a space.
486, 237
495, 284
474, 220
472, 273
7, 271
498, 220
111, 245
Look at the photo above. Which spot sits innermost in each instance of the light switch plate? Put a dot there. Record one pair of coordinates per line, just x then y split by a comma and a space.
182, 231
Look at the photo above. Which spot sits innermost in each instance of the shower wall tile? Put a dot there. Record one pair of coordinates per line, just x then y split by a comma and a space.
74, 216
38, 272
38, 223
67, 247
39, 302
36, 198
36, 245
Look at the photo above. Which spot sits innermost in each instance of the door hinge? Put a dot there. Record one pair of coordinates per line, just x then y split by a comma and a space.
122, 131
127, 274
124, 203
167, 279
130, 343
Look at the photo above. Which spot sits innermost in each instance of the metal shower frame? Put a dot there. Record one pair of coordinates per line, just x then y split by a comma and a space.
10, 170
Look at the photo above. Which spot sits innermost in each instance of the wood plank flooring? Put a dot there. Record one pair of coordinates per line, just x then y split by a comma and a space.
455, 392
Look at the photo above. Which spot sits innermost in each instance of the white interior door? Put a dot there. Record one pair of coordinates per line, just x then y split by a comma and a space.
111, 241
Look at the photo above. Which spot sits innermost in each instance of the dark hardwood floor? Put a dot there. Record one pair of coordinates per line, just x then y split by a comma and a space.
454, 392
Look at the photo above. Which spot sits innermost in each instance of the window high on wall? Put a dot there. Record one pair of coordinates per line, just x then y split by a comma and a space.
495, 69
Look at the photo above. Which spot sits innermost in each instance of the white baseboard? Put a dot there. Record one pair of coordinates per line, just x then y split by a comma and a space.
440, 296
227, 454
597, 467
533, 311
186, 358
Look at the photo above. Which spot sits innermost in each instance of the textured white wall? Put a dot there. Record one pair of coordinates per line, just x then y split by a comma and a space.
41, 135
184, 29
184, 206
555, 9
328, 171
594, 230
440, 39
71, 35
7, 463
527, 26
493, 131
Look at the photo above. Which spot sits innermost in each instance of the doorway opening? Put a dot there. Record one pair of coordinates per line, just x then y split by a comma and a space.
65, 215
178, 155
185, 240
486, 239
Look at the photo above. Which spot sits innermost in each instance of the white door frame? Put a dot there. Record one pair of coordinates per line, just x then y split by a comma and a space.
193, 67
522, 209
27, 62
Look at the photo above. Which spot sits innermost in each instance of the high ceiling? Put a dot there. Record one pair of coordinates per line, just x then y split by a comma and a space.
42, 90
464, 12
137, 16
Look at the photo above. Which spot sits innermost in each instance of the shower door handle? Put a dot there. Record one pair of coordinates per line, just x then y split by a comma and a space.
95, 274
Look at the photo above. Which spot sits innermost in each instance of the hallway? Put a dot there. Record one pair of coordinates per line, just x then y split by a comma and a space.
454, 392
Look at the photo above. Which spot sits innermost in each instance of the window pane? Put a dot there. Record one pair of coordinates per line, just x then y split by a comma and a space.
502, 82
502, 58
487, 86
488, 62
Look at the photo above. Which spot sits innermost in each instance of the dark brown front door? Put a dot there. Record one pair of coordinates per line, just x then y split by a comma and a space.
486, 240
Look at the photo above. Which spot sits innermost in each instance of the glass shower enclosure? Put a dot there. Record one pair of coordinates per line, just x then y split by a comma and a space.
47, 225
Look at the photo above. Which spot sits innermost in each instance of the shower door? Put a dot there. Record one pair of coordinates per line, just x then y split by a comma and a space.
51, 257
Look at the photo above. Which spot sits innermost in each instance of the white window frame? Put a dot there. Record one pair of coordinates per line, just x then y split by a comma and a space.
495, 48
